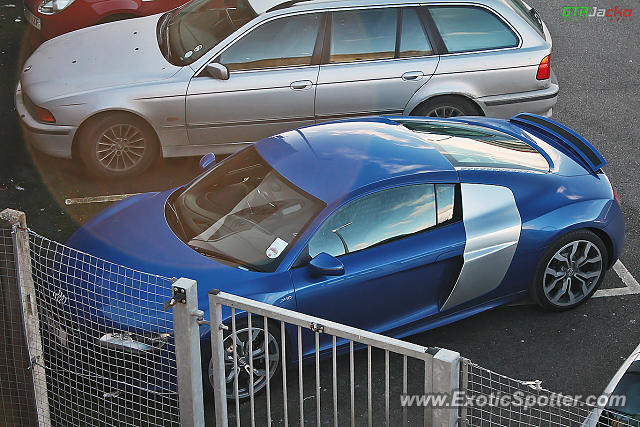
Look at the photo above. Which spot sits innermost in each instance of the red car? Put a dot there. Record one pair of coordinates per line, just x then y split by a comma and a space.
50, 18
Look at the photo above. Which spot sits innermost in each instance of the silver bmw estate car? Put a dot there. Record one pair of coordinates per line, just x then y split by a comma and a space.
215, 75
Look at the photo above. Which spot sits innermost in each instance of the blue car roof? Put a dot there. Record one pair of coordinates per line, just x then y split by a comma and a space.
332, 160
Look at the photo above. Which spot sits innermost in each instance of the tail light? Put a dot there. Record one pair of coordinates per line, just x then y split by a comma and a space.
615, 195
544, 69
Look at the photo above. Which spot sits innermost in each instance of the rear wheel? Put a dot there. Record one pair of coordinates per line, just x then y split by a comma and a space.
570, 271
447, 106
117, 145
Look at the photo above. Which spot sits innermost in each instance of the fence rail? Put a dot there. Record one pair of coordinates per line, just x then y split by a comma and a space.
440, 368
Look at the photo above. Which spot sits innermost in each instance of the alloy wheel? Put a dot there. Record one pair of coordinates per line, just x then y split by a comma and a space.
572, 273
243, 372
445, 111
120, 147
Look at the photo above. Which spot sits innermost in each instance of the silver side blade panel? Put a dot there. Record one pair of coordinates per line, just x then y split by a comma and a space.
492, 224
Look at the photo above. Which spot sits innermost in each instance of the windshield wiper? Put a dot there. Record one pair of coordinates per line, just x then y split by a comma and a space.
178, 220
214, 254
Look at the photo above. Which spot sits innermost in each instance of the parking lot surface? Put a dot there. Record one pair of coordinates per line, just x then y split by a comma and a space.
597, 63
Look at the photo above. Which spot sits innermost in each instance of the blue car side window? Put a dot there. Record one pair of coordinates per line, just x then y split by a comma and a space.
381, 217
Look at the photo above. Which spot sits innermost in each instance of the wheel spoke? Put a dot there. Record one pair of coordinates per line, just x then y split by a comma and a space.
574, 249
554, 273
588, 275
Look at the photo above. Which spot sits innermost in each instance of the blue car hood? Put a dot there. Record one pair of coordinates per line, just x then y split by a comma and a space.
134, 233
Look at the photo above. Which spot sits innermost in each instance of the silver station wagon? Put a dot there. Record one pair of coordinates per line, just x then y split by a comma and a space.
215, 75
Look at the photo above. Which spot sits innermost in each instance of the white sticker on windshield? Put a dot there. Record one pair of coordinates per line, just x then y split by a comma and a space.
276, 248
188, 54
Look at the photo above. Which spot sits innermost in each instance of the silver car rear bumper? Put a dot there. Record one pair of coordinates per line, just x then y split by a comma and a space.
54, 140
537, 101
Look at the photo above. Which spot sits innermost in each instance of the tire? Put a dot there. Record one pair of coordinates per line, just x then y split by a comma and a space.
570, 271
447, 106
117, 145
275, 359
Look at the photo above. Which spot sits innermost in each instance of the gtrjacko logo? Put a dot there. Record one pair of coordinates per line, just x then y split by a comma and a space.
584, 13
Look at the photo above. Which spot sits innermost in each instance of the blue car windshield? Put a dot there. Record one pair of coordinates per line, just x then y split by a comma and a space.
187, 33
244, 213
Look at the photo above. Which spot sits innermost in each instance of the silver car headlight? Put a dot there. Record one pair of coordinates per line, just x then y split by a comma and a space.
51, 7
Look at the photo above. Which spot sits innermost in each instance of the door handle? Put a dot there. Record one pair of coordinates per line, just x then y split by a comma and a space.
301, 84
412, 75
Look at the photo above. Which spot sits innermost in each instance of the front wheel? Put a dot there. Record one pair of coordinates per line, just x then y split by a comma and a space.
260, 347
570, 271
117, 145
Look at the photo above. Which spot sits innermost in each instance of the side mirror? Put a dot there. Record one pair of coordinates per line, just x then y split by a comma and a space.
218, 71
207, 161
324, 264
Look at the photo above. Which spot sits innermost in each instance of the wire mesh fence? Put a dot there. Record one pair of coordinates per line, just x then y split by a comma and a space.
107, 340
88, 342
492, 399
17, 406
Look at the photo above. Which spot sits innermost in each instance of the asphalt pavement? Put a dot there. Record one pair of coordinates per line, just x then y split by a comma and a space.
597, 64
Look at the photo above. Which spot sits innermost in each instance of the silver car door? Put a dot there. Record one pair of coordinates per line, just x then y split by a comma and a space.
271, 86
374, 60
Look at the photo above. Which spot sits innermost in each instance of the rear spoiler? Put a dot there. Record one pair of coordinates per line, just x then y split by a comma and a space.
570, 139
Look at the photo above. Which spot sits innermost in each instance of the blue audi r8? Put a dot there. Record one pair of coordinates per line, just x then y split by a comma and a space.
390, 224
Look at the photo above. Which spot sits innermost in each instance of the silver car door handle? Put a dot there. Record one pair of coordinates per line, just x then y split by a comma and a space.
412, 75
301, 84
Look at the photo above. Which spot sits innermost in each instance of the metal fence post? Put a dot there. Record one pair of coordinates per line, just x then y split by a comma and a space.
217, 356
22, 285
446, 379
187, 342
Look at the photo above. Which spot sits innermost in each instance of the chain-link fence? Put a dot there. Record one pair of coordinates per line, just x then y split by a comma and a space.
497, 400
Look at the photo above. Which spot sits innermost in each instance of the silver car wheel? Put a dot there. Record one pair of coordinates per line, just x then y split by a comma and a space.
445, 111
244, 368
572, 273
120, 148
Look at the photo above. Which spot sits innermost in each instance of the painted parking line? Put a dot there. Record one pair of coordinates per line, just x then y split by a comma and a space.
632, 285
98, 199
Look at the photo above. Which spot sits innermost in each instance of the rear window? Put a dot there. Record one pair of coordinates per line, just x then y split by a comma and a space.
471, 28
529, 14
469, 146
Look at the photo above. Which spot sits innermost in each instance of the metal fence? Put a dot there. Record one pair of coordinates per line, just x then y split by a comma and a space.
17, 405
98, 346
89, 342
282, 341
496, 400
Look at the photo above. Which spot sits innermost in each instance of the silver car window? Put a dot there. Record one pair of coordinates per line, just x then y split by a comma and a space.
471, 28
283, 42
361, 35
413, 39
187, 33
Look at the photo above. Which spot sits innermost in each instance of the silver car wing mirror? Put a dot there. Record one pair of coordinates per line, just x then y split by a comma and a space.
218, 71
